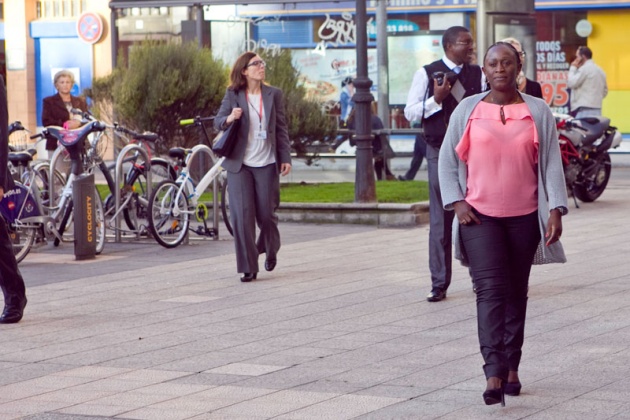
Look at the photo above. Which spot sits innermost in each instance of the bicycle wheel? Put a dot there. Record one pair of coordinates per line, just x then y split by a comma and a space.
66, 221
168, 228
225, 206
66, 227
100, 223
133, 194
41, 179
22, 238
136, 211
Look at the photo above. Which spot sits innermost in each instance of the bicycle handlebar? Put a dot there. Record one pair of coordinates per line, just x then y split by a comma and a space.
196, 120
147, 135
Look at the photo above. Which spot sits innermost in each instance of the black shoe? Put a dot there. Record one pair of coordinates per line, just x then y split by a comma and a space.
436, 295
513, 389
495, 396
402, 178
247, 277
12, 314
270, 264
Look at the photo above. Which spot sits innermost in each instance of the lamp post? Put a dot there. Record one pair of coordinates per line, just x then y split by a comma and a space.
364, 186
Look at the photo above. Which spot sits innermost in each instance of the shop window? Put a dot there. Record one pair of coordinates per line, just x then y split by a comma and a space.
285, 32
56, 9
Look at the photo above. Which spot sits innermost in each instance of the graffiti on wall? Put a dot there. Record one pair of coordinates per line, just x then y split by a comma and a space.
271, 49
336, 32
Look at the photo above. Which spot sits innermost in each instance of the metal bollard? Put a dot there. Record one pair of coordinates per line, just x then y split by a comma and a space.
83, 197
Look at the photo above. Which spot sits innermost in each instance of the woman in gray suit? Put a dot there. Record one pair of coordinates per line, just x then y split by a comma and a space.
261, 152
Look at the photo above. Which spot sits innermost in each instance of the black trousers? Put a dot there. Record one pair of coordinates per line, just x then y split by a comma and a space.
11, 280
500, 252
419, 152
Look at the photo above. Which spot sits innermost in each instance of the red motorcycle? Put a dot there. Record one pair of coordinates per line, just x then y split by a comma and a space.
584, 145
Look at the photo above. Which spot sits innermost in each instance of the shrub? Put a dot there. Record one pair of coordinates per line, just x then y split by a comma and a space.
162, 84
166, 82
307, 122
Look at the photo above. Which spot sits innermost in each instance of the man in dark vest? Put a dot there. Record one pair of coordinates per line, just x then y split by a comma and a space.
11, 280
436, 90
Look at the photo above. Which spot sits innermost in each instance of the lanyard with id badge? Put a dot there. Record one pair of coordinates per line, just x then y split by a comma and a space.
259, 134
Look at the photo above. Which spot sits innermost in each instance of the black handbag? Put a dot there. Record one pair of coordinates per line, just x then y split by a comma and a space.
224, 142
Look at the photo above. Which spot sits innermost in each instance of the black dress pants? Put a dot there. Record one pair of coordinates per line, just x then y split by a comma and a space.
11, 280
500, 251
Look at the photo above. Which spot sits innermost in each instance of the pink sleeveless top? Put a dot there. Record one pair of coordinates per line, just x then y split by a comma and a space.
501, 159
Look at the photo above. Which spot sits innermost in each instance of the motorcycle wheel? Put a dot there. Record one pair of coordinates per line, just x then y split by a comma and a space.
593, 186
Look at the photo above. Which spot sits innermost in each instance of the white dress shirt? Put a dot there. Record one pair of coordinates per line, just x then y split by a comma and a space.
415, 98
588, 85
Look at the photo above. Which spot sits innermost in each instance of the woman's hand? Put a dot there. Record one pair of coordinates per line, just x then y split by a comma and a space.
554, 227
285, 168
235, 115
464, 213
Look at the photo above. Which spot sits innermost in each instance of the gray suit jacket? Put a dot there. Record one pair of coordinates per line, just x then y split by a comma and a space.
551, 185
277, 131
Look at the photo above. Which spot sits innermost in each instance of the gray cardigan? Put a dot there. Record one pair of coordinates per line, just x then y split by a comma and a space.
551, 185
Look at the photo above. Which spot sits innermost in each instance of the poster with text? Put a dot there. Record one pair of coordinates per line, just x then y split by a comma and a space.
322, 71
552, 72
407, 53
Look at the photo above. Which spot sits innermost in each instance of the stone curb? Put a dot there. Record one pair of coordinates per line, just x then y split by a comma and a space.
384, 214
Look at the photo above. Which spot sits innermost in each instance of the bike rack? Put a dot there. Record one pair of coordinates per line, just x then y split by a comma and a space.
215, 185
118, 180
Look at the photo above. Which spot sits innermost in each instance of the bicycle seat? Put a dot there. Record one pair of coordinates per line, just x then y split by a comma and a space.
178, 153
147, 135
69, 138
20, 158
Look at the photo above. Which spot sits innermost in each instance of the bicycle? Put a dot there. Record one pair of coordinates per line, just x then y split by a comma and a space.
133, 188
25, 213
172, 203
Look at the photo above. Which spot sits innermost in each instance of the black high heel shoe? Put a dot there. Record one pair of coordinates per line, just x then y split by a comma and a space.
495, 396
247, 277
513, 389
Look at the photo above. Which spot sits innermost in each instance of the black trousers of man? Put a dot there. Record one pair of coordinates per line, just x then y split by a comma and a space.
11, 280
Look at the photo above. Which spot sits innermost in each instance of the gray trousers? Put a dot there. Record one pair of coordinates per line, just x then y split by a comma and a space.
440, 227
254, 199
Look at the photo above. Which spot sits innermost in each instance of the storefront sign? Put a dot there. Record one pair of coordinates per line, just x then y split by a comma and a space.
552, 70
394, 26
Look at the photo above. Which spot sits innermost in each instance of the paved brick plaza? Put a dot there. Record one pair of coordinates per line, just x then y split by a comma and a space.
340, 330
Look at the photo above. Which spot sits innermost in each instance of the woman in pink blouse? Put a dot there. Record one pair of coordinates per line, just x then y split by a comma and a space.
500, 171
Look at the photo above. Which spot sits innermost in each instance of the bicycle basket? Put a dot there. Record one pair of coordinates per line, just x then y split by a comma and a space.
19, 140
99, 143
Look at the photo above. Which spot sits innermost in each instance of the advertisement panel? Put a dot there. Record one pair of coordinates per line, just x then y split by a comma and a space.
552, 72
407, 52
321, 71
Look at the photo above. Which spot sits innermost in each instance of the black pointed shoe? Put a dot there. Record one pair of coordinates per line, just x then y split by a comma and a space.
436, 295
513, 389
247, 277
495, 396
11, 315
270, 264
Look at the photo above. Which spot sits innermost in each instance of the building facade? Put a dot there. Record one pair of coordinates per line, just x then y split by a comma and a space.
86, 37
